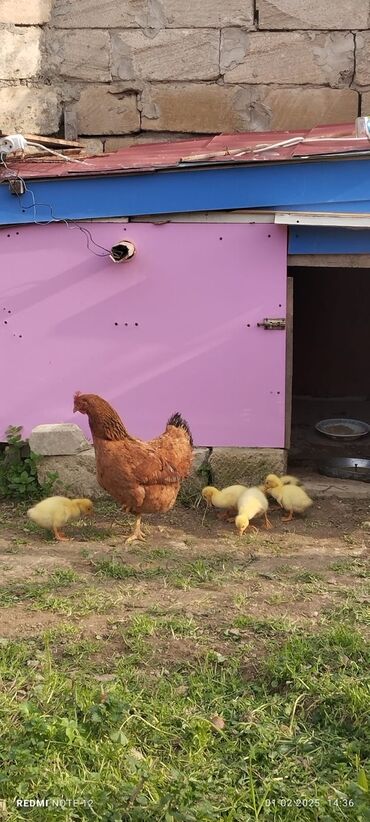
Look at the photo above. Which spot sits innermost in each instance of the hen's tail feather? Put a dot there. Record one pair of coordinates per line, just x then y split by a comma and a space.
178, 422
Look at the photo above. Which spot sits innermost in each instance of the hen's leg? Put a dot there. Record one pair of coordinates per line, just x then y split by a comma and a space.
288, 518
137, 533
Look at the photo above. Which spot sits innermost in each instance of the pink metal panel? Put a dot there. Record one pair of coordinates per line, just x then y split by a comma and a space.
323, 140
175, 328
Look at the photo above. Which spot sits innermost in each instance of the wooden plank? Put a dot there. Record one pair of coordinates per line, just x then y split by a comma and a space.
289, 362
52, 142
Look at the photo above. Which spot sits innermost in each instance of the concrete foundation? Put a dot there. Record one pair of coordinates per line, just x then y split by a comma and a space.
76, 475
64, 451
248, 466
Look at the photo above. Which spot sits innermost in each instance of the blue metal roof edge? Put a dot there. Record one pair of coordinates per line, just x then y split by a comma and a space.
325, 240
283, 185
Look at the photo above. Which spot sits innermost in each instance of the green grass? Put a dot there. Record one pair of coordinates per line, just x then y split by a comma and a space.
264, 626
117, 569
143, 748
183, 575
81, 600
205, 689
355, 567
26, 592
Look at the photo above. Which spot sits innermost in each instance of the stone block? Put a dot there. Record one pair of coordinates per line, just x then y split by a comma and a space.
365, 103
245, 466
102, 111
362, 75
20, 53
25, 12
83, 55
196, 107
29, 110
295, 108
92, 146
76, 475
208, 13
58, 439
296, 14
181, 54
151, 14
320, 58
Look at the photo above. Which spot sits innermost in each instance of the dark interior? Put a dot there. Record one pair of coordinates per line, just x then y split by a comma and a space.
331, 347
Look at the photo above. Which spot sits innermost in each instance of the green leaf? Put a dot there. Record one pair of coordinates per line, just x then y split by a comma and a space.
118, 736
363, 781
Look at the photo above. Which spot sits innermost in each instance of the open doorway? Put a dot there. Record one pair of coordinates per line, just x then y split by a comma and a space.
331, 347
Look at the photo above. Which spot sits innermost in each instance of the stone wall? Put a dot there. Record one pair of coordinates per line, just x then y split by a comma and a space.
121, 71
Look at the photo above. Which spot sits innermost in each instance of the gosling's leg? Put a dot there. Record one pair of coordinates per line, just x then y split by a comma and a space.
59, 536
267, 522
137, 534
288, 518
248, 528
226, 515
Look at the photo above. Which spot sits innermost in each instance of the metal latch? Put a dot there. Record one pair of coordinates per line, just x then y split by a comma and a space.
272, 323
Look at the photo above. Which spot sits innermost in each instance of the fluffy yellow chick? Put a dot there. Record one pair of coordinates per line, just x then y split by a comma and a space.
226, 499
251, 503
287, 479
54, 512
292, 498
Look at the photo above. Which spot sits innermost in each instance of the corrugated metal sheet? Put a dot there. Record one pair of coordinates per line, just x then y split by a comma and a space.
229, 149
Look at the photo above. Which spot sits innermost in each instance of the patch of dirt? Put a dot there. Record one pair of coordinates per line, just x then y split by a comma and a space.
19, 622
172, 652
201, 570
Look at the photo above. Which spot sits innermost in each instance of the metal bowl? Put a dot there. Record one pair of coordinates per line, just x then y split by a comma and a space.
346, 468
342, 429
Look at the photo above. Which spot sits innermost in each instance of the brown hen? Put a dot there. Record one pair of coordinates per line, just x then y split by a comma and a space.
144, 477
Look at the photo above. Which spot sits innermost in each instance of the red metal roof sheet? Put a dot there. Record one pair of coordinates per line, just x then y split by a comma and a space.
222, 149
